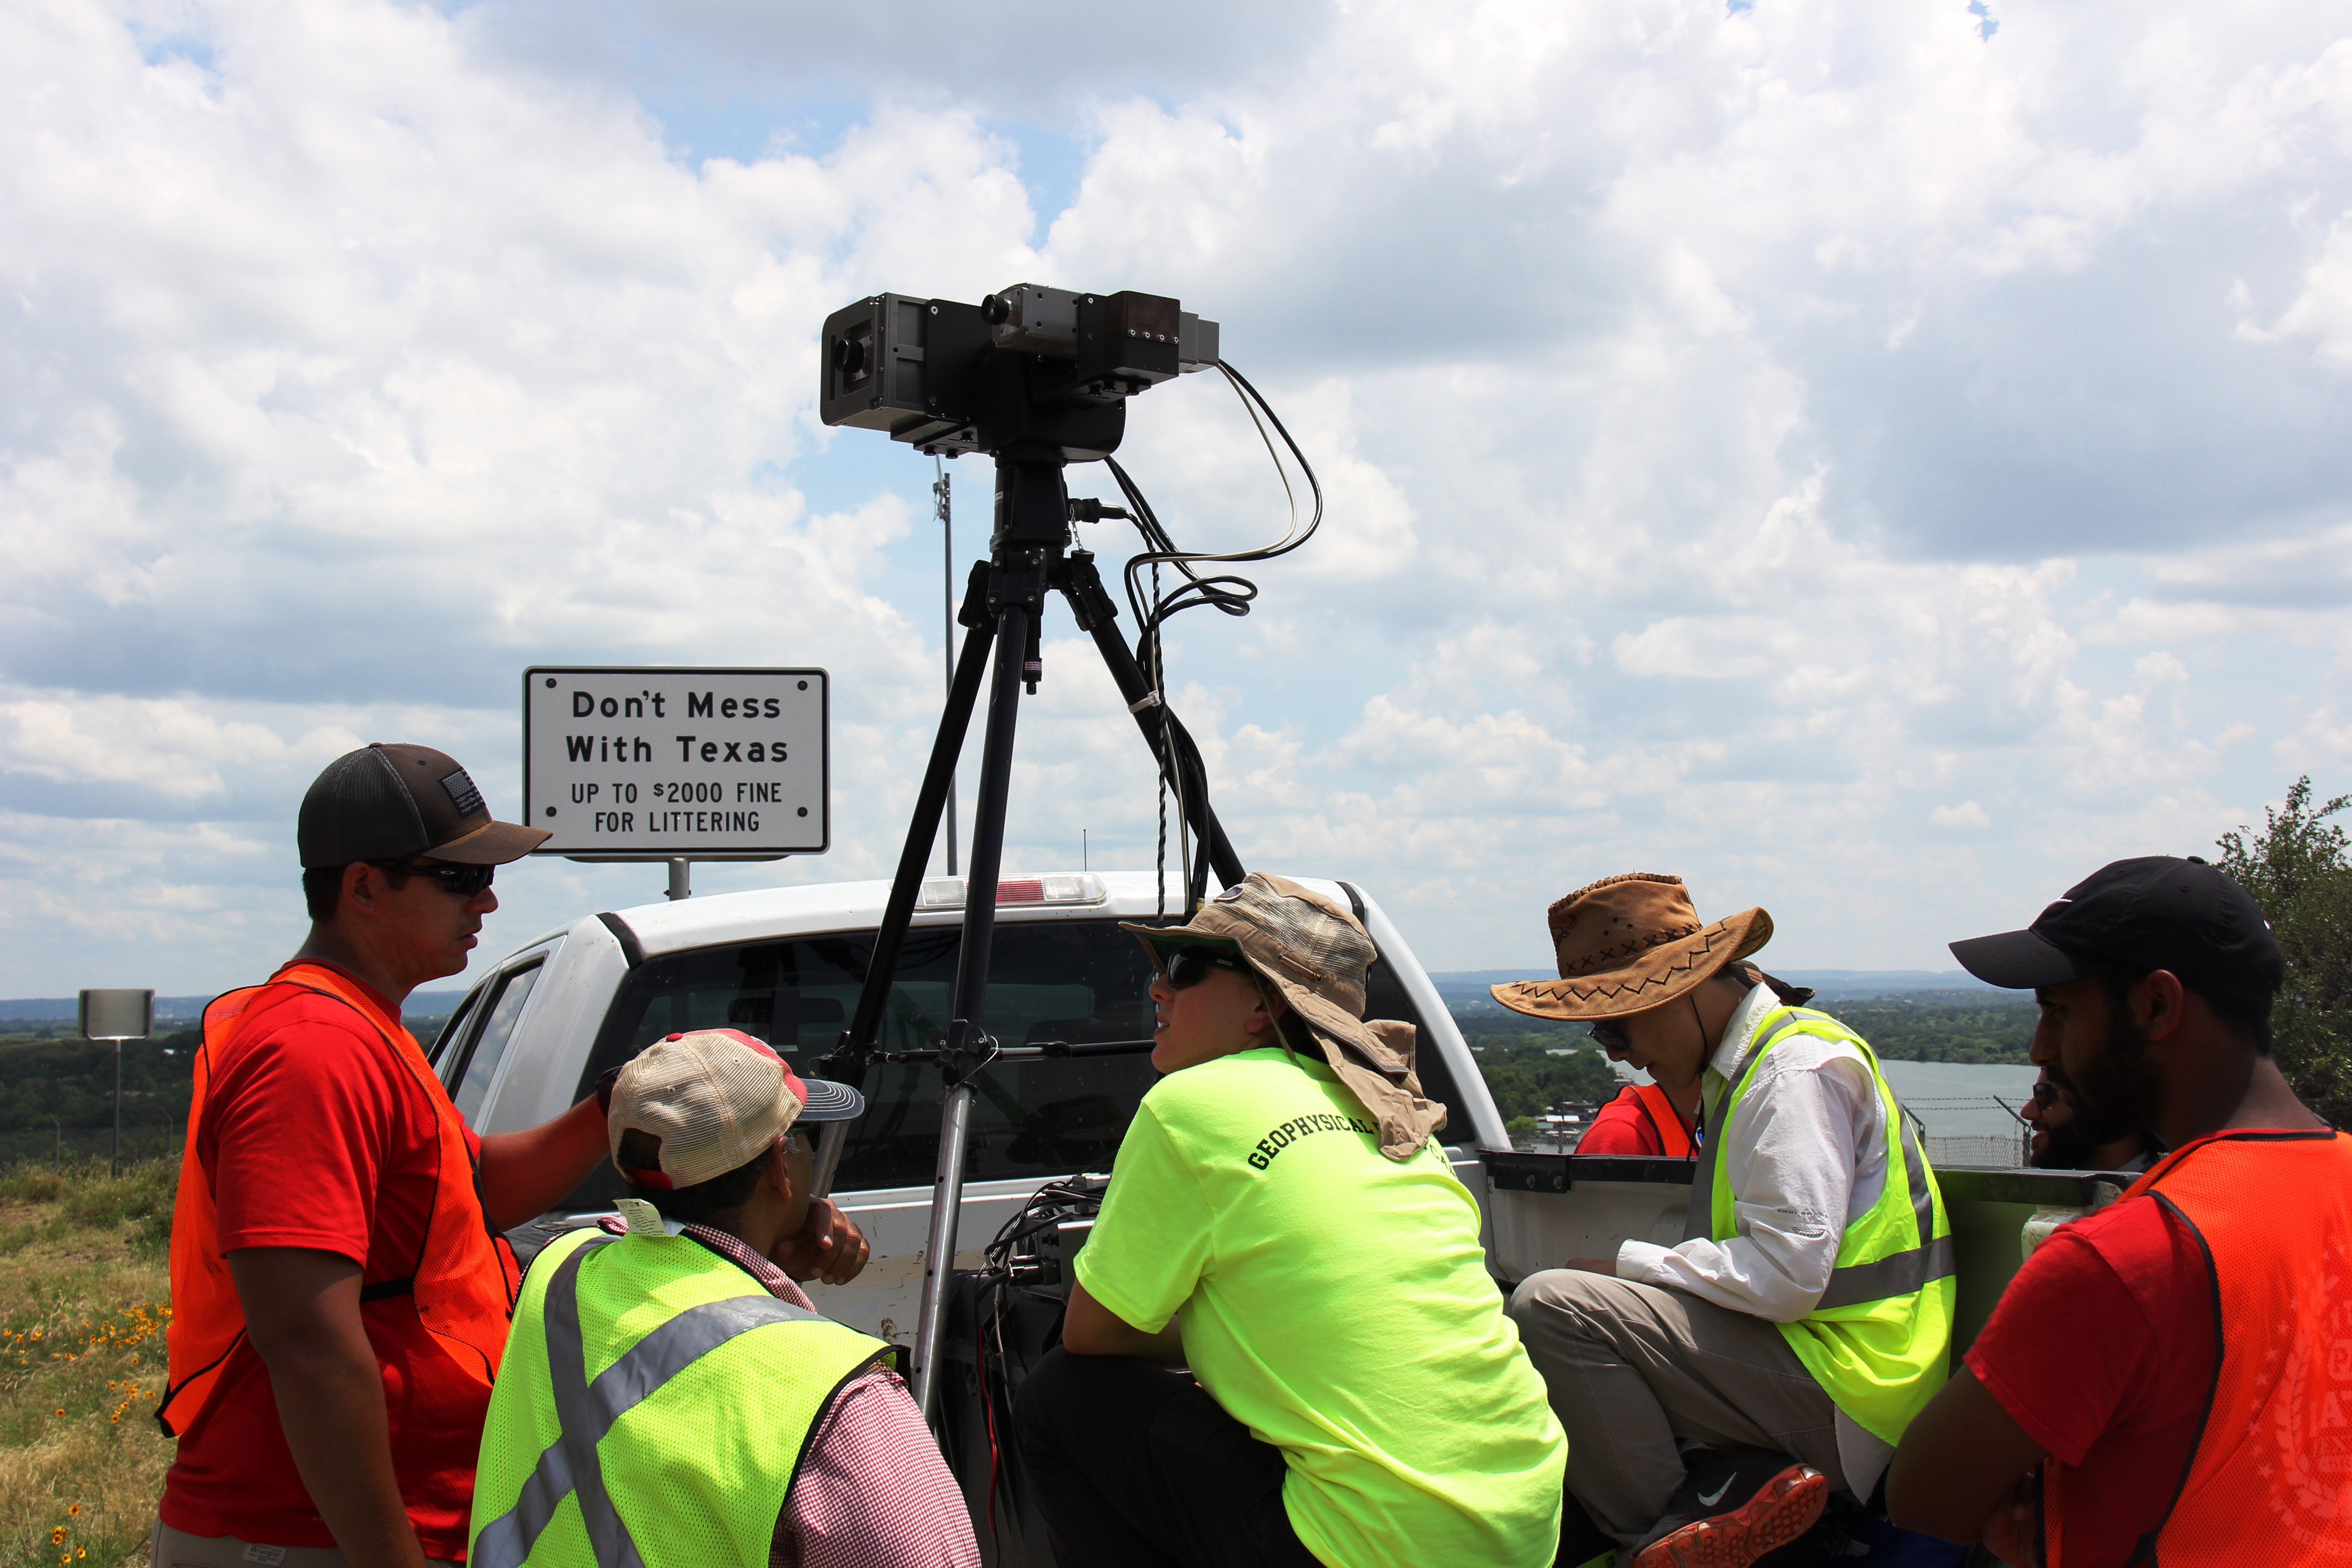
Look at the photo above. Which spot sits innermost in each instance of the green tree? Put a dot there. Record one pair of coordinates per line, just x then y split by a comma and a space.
2298, 870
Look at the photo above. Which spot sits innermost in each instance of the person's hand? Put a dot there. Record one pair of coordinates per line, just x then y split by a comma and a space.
1594, 1265
2009, 1528
828, 1247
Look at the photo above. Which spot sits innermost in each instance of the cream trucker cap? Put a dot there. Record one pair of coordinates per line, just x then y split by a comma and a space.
715, 1100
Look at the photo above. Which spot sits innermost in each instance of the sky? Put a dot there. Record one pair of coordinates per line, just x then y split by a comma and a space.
1878, 462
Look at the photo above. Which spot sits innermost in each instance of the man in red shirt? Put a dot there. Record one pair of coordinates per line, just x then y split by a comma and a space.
2078, 1431
340, 1288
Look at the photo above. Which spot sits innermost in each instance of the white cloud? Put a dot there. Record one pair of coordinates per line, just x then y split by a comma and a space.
1807, 448
170, 746
2322, 311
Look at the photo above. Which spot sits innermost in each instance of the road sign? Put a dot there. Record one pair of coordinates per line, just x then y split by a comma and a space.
662, 762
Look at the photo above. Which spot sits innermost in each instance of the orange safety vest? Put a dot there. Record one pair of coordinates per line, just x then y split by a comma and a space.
1674, 1133
2270, 1480
464, 1284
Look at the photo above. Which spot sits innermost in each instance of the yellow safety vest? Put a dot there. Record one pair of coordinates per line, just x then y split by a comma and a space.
654, 1406
1879, 1340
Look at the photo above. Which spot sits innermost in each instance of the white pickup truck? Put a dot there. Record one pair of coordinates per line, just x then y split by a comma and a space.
786, 965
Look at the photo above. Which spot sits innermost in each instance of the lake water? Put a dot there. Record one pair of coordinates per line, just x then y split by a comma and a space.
1960, 1103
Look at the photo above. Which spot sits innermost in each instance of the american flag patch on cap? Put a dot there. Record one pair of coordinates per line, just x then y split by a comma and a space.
464, 796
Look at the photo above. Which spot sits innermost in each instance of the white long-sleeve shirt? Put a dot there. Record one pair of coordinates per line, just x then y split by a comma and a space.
1805, 1156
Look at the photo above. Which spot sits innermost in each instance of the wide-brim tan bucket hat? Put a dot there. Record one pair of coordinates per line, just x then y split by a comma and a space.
1316, 954
1627, 943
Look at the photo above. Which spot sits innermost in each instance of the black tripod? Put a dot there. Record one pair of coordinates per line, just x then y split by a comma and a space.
1030, 554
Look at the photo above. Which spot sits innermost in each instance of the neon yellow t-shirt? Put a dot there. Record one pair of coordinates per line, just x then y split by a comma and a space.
1337, 1304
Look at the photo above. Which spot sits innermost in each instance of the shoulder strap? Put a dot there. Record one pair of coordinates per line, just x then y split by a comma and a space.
1658, 1107
1698, 1219
409, 1059
1642, 1104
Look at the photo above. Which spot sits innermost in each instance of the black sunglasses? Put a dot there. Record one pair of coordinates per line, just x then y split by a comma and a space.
1606, 1036
1189, 966
465, 881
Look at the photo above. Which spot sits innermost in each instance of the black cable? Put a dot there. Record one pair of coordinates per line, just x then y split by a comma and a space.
1167, 757
1227, 592
1231, 594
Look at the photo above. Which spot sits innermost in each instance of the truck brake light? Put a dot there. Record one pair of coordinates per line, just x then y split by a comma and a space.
1058, 887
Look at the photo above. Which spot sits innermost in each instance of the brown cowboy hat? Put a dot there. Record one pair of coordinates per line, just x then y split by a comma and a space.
1627, 943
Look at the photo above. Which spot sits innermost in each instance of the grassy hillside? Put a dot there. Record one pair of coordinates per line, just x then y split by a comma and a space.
84, 1299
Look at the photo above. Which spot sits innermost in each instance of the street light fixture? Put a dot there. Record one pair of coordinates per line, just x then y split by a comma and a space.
118, 1015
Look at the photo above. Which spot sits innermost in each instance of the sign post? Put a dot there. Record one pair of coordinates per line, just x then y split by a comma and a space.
116, 1016
678, 764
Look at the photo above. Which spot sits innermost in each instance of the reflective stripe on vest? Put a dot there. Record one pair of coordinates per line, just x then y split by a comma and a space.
1877, 1339
463, 1281
551, 1414
2270, 1480
1674, 1136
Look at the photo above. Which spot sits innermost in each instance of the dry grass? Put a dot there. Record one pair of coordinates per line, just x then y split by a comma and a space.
83, 1302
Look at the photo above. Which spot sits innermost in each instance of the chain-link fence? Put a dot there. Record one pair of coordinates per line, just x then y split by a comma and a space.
61, 1145
1971, 1131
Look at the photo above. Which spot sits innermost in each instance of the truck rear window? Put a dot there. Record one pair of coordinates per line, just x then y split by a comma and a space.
1082, 982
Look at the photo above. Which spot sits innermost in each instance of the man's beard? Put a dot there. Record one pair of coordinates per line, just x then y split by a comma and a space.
2116, 1095
2066, 1148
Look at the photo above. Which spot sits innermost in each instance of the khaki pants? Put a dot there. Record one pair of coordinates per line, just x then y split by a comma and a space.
1636, 1372
176, 1549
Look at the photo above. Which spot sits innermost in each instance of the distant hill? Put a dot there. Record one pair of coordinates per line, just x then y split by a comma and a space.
27, 1015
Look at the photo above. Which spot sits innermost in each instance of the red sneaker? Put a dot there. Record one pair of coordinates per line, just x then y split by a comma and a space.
1787, 1503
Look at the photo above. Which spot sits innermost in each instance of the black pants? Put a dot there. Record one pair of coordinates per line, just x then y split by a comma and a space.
1138, 1468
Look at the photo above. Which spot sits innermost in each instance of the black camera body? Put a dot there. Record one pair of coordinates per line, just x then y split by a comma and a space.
1030, 371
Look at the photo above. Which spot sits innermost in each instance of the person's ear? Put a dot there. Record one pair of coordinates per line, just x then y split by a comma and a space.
776, 1170
361, 883
1268, 1007
2160, 1004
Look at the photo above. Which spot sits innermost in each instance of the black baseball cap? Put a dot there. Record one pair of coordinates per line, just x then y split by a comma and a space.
2158, 911
390, 802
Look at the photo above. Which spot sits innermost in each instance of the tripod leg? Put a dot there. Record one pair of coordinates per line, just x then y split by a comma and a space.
968, 1024
846, 1061
1098, 617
